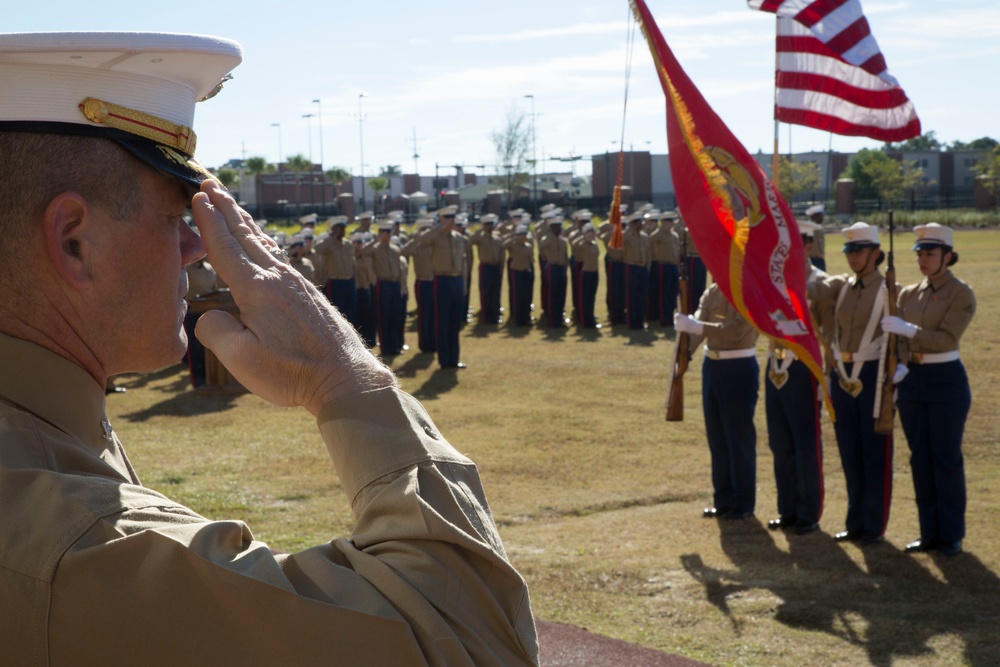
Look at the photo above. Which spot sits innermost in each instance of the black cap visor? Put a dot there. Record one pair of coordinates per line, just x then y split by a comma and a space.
166, 160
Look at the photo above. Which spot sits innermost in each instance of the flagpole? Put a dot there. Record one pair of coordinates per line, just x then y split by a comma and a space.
774, 158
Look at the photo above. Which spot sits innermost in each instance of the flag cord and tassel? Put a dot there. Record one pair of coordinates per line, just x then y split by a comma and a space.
615, 214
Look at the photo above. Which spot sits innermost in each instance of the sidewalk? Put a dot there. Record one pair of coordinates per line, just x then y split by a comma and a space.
562, 645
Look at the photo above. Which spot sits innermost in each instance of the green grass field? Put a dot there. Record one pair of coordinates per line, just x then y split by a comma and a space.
599, 499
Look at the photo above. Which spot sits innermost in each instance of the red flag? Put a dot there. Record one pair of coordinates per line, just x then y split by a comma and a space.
831, 74
743, 228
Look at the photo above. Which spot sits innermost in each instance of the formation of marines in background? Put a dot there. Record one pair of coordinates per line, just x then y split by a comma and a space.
366, 275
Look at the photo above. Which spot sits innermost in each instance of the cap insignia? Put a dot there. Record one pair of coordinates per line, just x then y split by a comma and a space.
140, 124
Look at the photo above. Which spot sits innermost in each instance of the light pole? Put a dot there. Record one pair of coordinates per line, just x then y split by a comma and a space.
312, 179
309, 125
281, 177
361, 143
322, 163
534, 161
319, 105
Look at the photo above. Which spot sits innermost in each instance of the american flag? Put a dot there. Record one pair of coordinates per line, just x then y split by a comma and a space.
831, 74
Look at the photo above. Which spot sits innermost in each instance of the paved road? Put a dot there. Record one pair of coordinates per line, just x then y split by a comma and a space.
563, 645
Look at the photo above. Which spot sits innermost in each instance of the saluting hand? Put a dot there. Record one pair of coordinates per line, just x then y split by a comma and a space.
290, 346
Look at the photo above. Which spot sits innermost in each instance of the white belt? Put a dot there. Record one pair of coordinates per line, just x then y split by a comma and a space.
729, 354
933, 357
783, 353
851, 357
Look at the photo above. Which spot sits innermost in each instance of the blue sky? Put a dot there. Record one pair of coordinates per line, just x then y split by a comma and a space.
449, 72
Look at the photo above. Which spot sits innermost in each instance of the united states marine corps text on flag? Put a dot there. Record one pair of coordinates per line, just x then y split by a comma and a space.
741, 225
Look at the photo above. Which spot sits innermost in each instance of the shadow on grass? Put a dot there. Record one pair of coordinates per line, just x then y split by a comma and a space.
893, 609
186, 404
441, 381
643, 337
512, 330
418, 362
141, 380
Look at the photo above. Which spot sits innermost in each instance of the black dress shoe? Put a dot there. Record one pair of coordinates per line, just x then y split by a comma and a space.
115, 390
712, 513
735, 515
920, 546
870, 539
805, 527
848, 536
781, 522
950, 549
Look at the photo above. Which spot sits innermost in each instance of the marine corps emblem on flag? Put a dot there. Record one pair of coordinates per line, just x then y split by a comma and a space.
744, 197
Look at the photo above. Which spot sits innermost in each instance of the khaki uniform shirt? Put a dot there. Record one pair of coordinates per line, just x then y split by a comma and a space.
364, 273
604, 232
385, 260
338, 259
201, 280
447, 251
489, 246
684, 241
303, 266
587, 253
316, 260
848, 322
96, 569
819, 244
725, 328
423, 269
941, 308
665, 247
522, 254
404, 274
636, 249
554, 250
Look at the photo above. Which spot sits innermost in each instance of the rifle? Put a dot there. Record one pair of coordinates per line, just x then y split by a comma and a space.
675, 395
887, 410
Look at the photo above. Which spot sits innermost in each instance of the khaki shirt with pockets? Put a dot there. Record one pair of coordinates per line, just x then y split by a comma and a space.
96, 569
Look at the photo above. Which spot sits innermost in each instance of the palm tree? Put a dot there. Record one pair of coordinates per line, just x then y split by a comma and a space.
337, 175
378, 184
256, 166
298, 163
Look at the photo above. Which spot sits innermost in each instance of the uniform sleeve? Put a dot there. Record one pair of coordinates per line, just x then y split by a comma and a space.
423, 579
956, 320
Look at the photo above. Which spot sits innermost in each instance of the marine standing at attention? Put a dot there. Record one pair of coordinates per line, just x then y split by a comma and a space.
448, 258
854, 306
933, 396
730, 381
792, 406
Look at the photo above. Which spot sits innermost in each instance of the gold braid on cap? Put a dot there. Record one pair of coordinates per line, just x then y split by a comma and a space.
142, 124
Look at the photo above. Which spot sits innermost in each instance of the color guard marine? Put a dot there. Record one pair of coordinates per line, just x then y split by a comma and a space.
730, 378
792, 401
933, 395
854, 306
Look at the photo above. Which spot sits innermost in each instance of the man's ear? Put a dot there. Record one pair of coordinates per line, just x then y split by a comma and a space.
68, 227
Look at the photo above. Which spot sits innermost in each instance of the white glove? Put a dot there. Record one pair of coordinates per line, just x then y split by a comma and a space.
901, 372
899, 326
687, 324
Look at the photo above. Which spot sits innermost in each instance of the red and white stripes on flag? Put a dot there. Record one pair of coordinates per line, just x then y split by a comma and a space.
831, 74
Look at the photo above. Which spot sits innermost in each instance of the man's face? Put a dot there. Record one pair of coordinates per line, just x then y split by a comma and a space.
143, 282
338, 231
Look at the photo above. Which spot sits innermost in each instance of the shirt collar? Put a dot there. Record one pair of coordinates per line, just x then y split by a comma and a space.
869, 280
937, 283
55, 389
